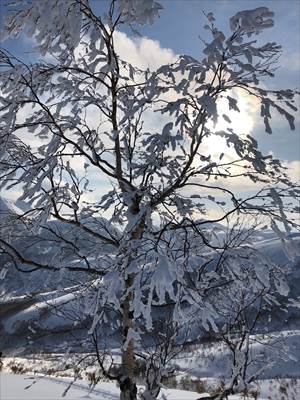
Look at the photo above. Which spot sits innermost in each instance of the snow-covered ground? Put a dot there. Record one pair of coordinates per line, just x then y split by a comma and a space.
275, 355
16, 387
29, 387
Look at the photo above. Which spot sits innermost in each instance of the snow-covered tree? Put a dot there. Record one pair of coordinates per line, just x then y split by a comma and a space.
245, 306
82, 115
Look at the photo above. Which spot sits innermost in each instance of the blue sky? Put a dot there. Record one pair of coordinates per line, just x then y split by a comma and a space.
178, 28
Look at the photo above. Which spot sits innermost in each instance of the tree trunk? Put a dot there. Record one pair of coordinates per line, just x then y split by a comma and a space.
127, 379
127, 382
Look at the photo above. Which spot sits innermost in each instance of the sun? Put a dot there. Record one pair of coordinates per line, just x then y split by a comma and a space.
241, 123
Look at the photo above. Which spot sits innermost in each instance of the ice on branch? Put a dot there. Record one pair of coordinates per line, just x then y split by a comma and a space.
139, 11
54, 28
252, 21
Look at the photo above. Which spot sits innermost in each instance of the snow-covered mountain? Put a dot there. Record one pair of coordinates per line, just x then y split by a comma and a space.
41, 309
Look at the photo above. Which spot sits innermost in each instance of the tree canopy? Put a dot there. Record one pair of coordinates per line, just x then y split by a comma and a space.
81, 114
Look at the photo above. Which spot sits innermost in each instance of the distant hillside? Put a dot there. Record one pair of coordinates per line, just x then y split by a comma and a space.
41, 309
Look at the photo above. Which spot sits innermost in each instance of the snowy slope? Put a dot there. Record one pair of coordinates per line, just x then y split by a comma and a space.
12, 387
16, 387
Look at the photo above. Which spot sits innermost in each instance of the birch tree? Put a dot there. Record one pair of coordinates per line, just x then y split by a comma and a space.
82, 103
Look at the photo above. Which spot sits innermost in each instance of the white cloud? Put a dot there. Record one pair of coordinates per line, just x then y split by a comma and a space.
142, 52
